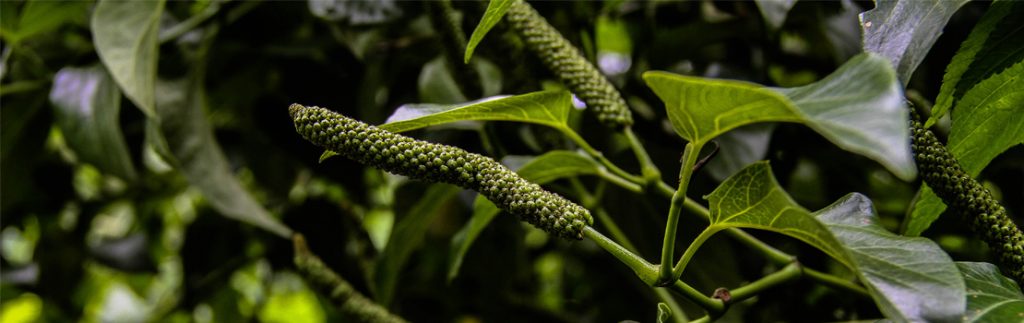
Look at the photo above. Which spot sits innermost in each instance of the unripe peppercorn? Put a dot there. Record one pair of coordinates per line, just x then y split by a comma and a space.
968, 198
423, 160
563, 59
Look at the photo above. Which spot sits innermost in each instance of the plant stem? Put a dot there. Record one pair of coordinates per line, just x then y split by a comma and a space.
614, 229
667, 275
191, 23
835, 282
644, 270
677, 271
649, 171
713, 306
789, 273
597, 155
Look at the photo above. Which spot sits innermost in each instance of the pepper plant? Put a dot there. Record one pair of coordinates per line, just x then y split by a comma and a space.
671, 161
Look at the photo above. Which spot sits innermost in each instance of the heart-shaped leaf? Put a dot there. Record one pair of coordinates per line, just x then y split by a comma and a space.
543, 169
911, 279
991, 297
87, 105
859, 107
125, 34
905, 30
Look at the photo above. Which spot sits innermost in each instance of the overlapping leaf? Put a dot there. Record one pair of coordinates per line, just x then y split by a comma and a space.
549, 108
911, 279
859, 107
87, 106
496, 9
125, 34
991, 297
905, 30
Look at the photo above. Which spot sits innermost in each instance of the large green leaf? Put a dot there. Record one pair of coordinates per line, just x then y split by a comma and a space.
997, 42
543, 169
859, 107
125, 35
87, 105
991, 297
189, 139
496, 9
549, 108
911, 279
407, 236
987, 121
905, 30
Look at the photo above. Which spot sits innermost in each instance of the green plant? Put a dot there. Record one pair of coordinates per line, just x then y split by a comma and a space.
151, 173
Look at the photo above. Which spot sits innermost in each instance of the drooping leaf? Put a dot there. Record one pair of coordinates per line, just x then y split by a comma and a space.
407, 236
549, 108
905, 30
125, 35
543, 169
87, 105
991, 297
910, 279
987, 121
496, 9
189, 138
774, 11
859, 107
996, 43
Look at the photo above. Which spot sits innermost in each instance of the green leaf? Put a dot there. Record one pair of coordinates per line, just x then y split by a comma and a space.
910, 279
993, 45
189, 138
991, 297
125, 36
905, 30
87, 104
436, 84
39, 16
753, 199
407, 236
986, 122
549, 108
543, 169
496, 9
774, 11
739, 148
859, 107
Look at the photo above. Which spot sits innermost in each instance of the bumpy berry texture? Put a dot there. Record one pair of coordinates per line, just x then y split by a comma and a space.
966, 197
562, 58
440, 163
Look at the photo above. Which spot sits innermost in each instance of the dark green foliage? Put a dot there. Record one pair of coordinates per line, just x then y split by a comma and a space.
348, 299
440, 163
968, 198
453, 39
570, 66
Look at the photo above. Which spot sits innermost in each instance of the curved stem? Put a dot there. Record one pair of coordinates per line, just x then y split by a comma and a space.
835, 282
667, 275
597, 155
643, 269
713, 306
789, 273
677, 271
650, 171
191, 23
